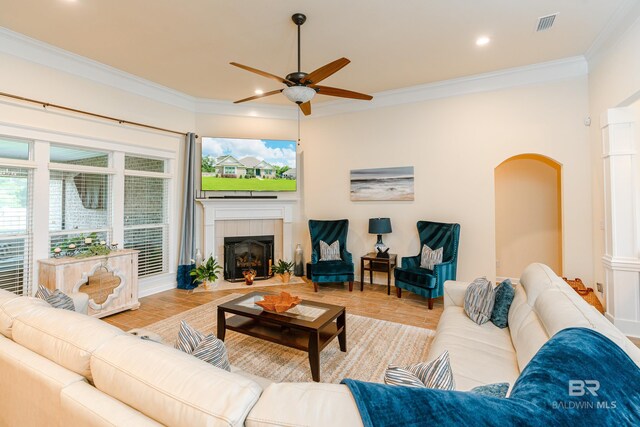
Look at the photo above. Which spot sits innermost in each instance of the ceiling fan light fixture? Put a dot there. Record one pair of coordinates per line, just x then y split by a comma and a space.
299, 94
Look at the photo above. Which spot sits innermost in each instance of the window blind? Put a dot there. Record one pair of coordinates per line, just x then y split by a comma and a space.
145, 215
15, 230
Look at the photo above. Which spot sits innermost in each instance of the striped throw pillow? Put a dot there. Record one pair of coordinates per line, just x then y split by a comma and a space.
212, 350
479, 300
43, 293
57, 299
330, 252
207, 348
188, 338
429, 257
435, 374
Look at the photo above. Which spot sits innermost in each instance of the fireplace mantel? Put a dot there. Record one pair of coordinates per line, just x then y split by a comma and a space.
246, 209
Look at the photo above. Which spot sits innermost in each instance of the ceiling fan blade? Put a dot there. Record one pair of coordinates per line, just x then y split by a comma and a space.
262, 73
306, 108
323, 72
342, 93
251, 98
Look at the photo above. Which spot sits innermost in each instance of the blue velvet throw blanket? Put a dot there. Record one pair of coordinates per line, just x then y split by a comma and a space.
579, 377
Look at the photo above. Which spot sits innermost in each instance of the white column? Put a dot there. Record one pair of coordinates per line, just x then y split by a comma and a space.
117, 227
621, 259
40, 215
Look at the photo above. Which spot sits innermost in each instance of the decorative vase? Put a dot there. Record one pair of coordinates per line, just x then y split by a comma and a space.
249, 275
285, 277
298, 260
206, 285
199, 258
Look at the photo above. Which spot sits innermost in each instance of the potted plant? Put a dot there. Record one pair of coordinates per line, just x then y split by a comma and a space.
283, 270
207, 272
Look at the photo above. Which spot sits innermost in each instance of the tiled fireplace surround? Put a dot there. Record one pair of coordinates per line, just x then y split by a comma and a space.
247, 217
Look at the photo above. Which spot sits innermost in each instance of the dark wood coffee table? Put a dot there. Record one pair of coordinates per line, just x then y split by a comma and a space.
309, 326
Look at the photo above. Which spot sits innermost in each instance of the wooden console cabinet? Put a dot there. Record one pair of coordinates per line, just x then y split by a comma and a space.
111, 281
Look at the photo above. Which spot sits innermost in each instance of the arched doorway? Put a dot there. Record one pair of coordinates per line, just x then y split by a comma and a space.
528, 214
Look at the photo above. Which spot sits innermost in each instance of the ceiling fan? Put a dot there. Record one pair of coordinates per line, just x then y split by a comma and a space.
301, 86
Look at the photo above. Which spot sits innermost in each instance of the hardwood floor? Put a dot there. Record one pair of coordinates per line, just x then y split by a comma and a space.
373, 302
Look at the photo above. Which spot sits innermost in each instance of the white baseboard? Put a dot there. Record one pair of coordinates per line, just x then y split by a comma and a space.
630, 328
156, 284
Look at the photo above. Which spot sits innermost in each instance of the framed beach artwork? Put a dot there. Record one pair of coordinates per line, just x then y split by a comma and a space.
382, 184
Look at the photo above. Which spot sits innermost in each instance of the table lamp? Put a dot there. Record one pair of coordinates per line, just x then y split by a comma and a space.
380, 226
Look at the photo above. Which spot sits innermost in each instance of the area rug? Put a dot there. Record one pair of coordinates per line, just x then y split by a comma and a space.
274, 281
372, 345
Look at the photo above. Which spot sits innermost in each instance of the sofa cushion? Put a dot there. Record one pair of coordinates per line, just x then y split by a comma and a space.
170, 386
11, 306
479, 354
330, 252
59, 299
535, 279
30, 386
416, 276
64, 337
84, 405
305, 404
562, 308
530, 337
332, 267
434, 374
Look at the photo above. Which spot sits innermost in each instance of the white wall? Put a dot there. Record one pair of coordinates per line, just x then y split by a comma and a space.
454, 145
528, 215
614, 81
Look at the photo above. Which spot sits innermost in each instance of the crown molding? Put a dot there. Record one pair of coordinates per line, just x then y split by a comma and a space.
513, 77
623, 19
29, 49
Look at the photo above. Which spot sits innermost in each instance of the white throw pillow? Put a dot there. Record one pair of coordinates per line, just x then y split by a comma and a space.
330, 252
479, 299
435, 374
430, 257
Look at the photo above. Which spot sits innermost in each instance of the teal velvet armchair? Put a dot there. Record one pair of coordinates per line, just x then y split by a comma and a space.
330, 271
430, 283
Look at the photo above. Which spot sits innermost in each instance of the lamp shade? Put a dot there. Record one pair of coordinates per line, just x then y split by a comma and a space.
379, 225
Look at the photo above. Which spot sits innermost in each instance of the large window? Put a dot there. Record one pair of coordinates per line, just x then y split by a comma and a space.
145, 213
15, 218
79, 196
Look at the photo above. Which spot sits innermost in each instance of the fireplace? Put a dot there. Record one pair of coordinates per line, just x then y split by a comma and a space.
245, 253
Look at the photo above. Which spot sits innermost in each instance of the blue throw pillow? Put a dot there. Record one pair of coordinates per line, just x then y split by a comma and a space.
495, 390
504, 293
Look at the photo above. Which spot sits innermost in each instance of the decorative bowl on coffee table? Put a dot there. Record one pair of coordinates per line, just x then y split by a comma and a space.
279, 303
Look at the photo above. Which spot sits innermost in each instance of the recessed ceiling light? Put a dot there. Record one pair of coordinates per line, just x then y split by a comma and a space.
484, 40
259, 91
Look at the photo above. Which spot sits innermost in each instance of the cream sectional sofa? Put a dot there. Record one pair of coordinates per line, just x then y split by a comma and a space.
64, 368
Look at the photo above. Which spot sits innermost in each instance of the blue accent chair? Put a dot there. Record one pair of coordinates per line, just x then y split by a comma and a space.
430, 283
330, 271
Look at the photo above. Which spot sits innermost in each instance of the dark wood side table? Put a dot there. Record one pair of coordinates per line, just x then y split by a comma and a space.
375, 263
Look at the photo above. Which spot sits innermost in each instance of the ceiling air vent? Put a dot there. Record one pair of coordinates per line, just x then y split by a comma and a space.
546, 22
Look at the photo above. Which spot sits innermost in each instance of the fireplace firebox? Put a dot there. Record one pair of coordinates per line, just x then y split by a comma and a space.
247, 253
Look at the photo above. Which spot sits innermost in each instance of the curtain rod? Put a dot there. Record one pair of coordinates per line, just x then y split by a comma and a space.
87, 113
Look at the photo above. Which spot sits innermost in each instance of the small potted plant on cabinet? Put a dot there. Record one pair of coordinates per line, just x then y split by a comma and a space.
207, 272
283, 270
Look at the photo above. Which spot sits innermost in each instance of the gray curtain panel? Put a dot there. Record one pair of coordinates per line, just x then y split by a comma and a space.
187, 240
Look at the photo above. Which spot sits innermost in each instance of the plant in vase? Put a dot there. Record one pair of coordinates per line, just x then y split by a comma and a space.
249, 275
207, 272
283, 270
